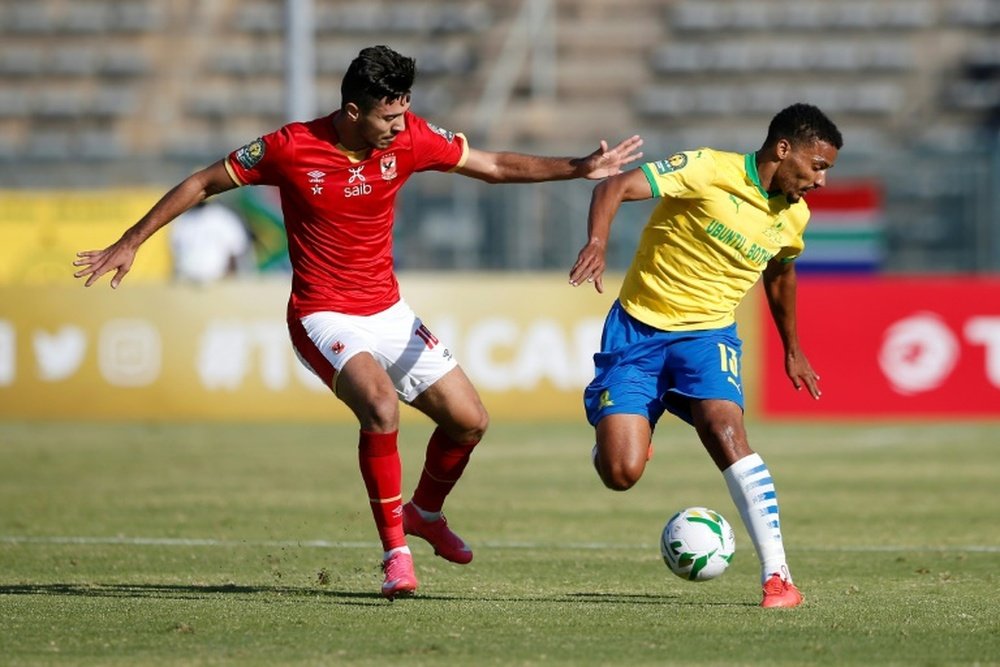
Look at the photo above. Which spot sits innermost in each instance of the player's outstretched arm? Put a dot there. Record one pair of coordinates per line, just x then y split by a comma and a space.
506, 167
780, 285
604, 203
118, 256
605, 162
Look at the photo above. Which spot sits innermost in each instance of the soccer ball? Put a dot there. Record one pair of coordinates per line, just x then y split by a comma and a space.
697, 544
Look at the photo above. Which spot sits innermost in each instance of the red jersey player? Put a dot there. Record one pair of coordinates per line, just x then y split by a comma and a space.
338, 177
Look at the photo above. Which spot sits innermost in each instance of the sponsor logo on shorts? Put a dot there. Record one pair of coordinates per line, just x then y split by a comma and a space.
605, 399
337, 347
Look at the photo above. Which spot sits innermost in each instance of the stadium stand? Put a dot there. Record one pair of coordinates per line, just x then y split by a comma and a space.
148, 89
642, 63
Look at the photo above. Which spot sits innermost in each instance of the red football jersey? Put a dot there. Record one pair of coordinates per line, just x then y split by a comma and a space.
339, 206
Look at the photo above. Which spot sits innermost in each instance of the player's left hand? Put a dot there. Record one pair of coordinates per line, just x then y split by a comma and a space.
606, 161
801, 373
117, 257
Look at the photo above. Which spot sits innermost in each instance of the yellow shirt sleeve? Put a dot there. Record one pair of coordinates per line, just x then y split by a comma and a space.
683, 175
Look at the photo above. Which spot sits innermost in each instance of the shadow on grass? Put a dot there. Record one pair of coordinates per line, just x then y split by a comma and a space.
648, 598
181, 591
207, 591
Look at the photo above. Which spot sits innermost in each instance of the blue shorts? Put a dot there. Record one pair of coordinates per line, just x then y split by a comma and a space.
642, 370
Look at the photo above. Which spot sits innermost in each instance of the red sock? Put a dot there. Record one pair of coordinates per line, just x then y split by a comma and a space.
446, 459
382, 472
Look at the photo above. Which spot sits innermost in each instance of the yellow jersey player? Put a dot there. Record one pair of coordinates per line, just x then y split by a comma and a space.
670, 340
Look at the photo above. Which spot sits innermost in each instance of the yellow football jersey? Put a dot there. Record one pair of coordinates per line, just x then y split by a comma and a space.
708, 240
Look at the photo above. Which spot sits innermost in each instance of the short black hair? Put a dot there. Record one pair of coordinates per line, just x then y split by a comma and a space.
377, 73
803, 123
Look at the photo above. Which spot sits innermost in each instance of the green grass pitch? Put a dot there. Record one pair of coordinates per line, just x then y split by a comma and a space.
253, 545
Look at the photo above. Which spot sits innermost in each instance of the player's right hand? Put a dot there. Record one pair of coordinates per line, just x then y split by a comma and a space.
606, 161
589, 267
801, 373
117, 257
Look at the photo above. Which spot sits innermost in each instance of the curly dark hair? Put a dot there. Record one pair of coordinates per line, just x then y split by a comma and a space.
377, 73
803, 123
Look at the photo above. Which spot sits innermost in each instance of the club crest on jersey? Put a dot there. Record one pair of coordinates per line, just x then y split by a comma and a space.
774, 232
249, 155
316, 181
675, 162
357, 184
450, 136
388, 166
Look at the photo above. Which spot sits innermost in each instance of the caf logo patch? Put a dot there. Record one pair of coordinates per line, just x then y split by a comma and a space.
675, 162
251, 154
450, 136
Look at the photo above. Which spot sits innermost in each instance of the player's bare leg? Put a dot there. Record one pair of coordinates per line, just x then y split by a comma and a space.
367, 389
720, 426
454, 405
622, 450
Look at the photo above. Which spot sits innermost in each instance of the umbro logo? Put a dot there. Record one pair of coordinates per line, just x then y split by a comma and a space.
316, 181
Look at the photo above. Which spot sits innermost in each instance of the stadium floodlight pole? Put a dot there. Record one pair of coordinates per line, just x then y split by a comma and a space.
989, 210
532, 33
300, 61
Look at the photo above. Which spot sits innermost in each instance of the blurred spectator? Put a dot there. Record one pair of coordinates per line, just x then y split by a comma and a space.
210, 242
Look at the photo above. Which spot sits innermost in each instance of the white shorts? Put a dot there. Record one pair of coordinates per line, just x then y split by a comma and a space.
396, 338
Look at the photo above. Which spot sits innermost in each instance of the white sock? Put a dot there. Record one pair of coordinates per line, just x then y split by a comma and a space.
752, 490
424, 514
386, 555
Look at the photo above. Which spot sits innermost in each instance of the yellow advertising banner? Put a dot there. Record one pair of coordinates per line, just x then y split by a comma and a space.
42, 230
173, 352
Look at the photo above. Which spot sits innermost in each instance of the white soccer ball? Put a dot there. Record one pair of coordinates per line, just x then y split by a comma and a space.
697, 544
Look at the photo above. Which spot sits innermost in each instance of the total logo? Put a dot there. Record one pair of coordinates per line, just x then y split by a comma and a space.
920, 352
357, 185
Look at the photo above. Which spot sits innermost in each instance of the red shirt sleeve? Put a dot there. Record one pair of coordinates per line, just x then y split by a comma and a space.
260, 161
435, 148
